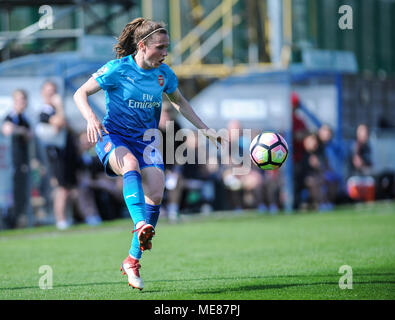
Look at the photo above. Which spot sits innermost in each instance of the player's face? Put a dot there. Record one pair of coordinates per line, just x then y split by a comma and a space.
155, 51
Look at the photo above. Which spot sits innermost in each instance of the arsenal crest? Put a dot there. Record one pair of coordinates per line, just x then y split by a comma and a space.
107, 147
161, 80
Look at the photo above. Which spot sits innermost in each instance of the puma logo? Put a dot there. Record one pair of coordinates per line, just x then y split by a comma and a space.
134, 195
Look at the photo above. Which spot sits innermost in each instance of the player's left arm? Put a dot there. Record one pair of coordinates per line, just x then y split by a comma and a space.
183, 106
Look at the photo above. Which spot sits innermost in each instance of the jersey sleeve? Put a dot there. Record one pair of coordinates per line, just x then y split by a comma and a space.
108, 75
172, 81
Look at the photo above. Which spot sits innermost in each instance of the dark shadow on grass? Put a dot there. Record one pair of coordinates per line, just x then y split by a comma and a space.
335, 275
68, 285
283, 286
243, 288
261, 287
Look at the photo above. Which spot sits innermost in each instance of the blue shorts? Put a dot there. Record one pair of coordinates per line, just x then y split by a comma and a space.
145, 152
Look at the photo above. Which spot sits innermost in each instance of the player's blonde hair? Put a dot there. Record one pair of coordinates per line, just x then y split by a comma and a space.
139, 29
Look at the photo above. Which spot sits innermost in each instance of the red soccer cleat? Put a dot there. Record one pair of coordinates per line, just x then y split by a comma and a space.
145, 234
130, 267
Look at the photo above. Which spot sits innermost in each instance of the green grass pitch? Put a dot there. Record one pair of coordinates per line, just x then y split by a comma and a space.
222, 257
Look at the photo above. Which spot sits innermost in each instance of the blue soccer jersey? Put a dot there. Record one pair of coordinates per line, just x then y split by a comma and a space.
133, 95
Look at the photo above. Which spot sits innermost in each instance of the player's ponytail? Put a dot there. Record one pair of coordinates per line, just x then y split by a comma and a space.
135, 31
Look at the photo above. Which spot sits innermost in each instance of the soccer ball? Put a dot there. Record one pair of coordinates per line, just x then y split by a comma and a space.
268, 150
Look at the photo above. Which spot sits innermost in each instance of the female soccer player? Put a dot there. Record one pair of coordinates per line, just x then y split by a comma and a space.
133, 84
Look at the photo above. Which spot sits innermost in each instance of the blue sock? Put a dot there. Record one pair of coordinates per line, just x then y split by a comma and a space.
152, 213
152, 216
135, 251
133, 194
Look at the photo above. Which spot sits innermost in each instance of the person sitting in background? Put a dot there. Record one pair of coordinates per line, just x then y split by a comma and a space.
99, 198
232, 183
173, 171
299, 132
198, 179
332, 154
361, 183
272, 186
85, 198
243, 190
313, 169
17, 127
361, 154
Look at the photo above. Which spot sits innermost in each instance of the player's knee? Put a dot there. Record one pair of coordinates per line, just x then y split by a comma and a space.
129, 164
122, 161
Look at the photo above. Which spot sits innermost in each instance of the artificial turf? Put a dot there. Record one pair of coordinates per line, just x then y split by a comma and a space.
225, 256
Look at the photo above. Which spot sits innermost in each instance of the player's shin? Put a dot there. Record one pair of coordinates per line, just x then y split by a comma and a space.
134, 196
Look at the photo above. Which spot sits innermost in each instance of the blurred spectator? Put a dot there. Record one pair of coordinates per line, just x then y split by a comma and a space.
386, 185
332, 153
299, 132
361, 157
60, 148
385, 123
98, 197
198, 180
17, 126
233, 184
169, 126
38, 175
243, 190
85, 198
361, 184
271, 191
313, 169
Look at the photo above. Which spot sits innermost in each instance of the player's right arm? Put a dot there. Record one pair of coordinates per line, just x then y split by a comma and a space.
94, 126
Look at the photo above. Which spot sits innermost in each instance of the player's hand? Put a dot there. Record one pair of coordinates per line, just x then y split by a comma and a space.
94, 128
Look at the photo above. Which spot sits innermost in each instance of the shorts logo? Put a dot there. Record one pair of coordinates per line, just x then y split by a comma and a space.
107, 147
161, 80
